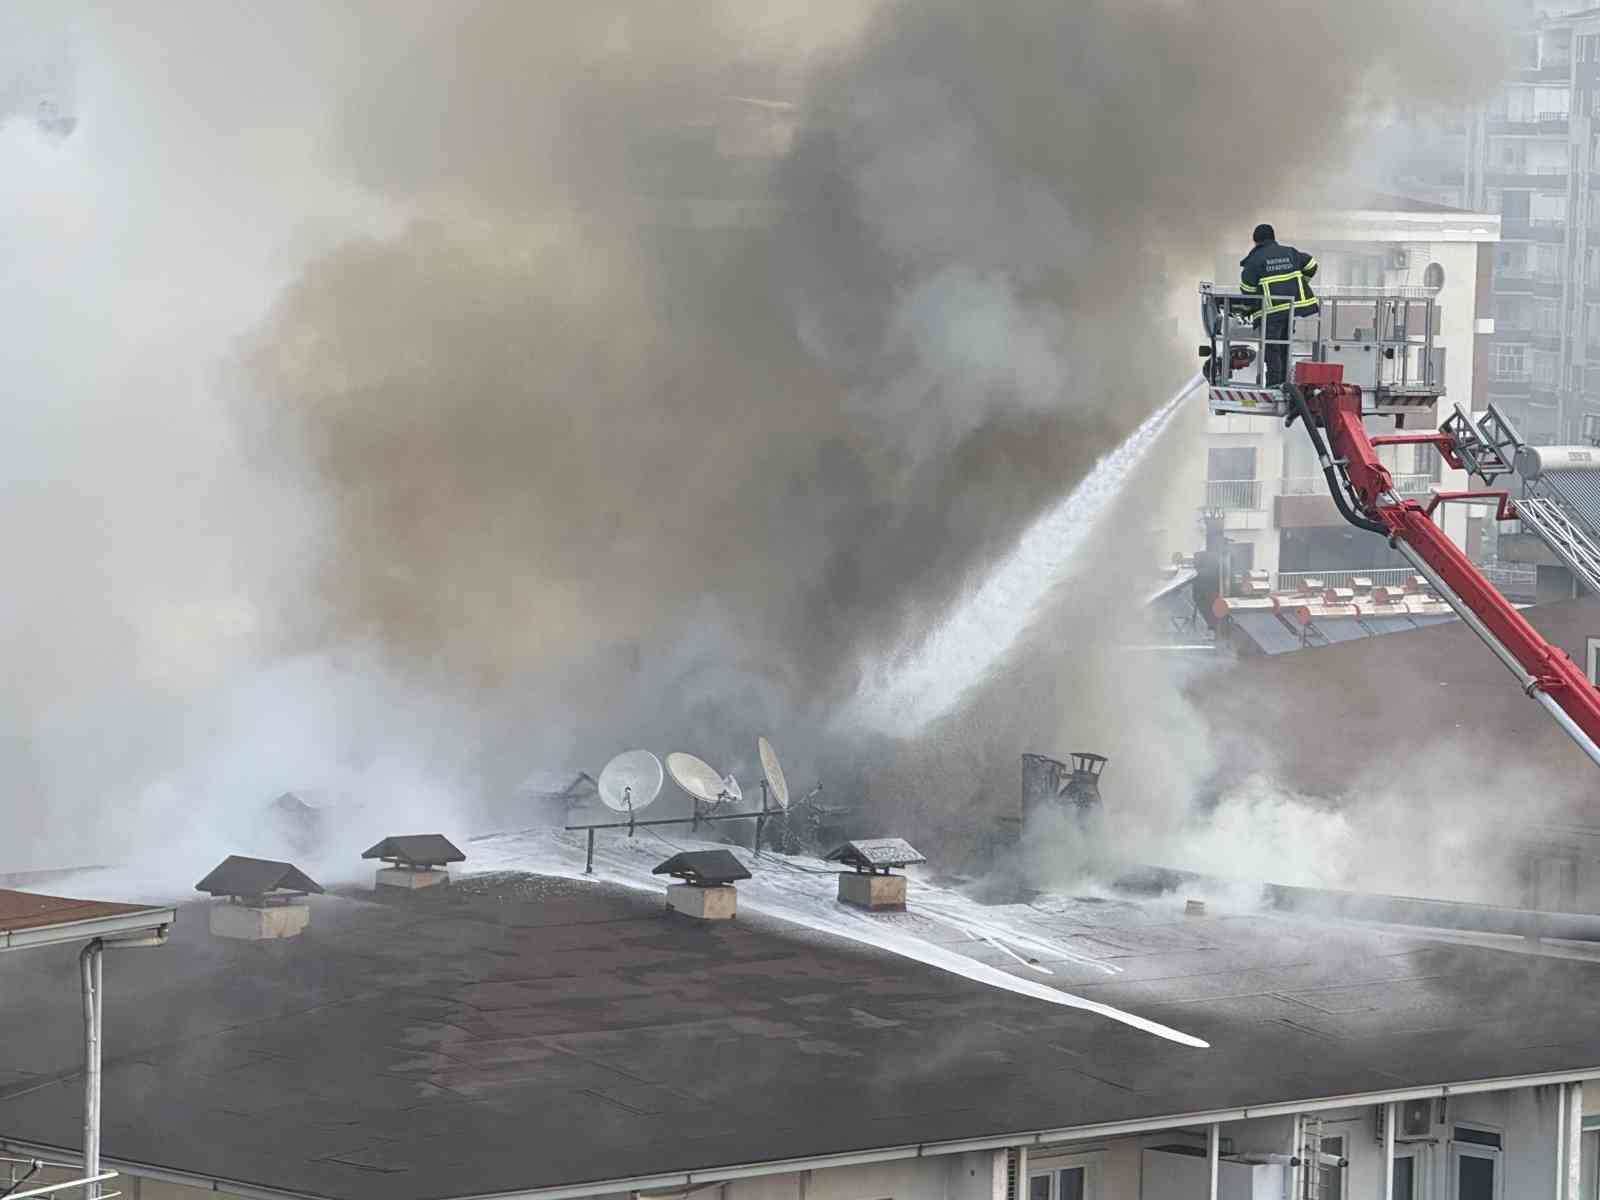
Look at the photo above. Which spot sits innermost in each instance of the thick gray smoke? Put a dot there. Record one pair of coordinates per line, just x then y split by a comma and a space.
641, 368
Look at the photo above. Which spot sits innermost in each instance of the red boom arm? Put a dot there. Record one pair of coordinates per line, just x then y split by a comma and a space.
1545, 672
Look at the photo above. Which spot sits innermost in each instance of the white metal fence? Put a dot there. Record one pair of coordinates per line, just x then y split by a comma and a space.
1388, 577
1233, 493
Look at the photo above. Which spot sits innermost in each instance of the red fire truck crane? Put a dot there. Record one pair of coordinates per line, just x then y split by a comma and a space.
1372, 355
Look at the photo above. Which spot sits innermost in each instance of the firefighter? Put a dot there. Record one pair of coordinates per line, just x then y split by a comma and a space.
1278, 274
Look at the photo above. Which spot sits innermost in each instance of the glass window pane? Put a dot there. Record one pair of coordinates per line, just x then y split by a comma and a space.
1072, 1184
1039, 1187
1405, 1179
1332, 1178
1478, 1137
1475, 1179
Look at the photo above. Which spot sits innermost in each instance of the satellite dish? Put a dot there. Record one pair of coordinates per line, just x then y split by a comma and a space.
630, 781
700, 779
776, 783
731, 789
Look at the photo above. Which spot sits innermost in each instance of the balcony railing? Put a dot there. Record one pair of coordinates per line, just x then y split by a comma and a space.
1233, 493
1524, 281
1539, 229
1384, 577
1510, 579
1543, 124
1407, 484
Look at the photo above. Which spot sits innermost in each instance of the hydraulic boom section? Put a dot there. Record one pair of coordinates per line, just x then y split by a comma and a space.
1332, 410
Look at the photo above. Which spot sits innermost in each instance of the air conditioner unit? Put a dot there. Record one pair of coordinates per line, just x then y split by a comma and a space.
1415, 1118
1412, 1119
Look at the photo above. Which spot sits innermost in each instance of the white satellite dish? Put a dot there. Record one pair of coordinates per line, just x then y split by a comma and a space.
700, 779
777, 785
631, 781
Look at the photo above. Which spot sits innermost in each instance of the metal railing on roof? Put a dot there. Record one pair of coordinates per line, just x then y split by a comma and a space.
1510, 578
1233, 494
1384, 577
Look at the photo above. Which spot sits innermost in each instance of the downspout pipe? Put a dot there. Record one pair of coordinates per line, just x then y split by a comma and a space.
90, 976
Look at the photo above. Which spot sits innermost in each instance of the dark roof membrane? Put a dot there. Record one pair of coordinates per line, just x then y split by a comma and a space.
398, 1053
237, 875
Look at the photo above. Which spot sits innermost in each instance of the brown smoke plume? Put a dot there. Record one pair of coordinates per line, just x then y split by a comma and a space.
628, 380
691, 352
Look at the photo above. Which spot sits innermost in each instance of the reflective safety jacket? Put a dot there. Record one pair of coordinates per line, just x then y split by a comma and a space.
1279, 273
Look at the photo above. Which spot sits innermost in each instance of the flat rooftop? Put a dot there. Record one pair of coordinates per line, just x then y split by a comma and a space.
517, 1032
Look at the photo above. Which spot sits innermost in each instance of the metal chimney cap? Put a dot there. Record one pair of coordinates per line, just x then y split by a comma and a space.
417, 850
876, 854
704, 868
238, 875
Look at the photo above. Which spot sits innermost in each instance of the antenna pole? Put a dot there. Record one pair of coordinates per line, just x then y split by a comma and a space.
588, 861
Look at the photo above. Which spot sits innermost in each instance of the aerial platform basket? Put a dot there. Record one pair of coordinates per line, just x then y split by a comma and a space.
1383, 338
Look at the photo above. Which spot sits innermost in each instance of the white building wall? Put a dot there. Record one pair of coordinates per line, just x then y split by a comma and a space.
1343, 241
1527, 1120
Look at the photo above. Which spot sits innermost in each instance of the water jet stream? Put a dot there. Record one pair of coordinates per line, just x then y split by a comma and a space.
902, 694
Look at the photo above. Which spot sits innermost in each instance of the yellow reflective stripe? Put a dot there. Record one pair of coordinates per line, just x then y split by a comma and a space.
1248, 287
1288, 302
1311, 265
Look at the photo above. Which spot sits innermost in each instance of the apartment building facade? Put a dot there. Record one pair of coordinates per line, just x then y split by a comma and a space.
1262, 485
1530, 155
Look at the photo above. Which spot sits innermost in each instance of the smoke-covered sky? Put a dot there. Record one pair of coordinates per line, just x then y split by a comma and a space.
404, 395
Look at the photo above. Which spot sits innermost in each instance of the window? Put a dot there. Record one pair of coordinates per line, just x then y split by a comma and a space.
1475, 1163
1233, 462
1509, 362
1433, 276
1075, 1178
1405, 1179
1360, 270
1332, 1178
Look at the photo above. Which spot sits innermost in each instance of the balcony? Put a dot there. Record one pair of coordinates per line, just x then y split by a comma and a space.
1510, 385
1526, 283
1542, 229
1549, 179
1552, 70
1233, 495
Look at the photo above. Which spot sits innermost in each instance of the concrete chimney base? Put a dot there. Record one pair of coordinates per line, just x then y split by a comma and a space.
874, 892
703, 903
268, 922
411, 881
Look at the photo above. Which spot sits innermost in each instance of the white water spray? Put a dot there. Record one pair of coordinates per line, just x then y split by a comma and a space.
905, 693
